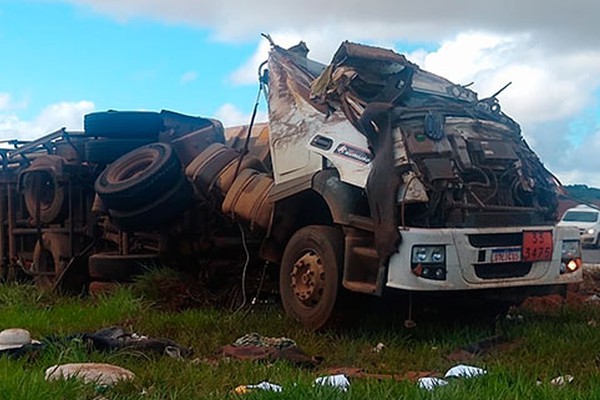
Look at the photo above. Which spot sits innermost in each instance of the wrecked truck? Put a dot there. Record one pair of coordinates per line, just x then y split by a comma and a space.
371, 175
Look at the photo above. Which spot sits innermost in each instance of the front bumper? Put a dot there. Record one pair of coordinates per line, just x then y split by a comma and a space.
468, 260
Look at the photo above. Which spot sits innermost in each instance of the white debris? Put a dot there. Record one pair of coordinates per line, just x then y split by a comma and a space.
430, 383
100, 374
562, 380
378, 348
464, 371
264, 385
339, 381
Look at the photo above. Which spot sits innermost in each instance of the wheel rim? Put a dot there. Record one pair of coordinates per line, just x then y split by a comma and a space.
308, 279
43, 188
133, 168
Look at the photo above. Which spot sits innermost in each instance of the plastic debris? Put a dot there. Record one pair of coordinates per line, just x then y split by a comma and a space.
379, 348
562, 380
429, 383
338, 381
464, 371
100, 374
264, 385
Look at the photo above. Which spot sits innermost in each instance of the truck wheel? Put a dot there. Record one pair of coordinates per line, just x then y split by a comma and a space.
310, 273
106, 267
157, 214
49, 259
123, 124
139, 176
52, 196
105, 150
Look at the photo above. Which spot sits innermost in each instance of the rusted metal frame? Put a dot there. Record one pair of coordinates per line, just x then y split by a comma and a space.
33, 145
12, 248
2, 231
71, 224
29, 231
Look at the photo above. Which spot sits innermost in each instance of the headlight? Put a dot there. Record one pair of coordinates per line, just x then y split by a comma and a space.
420, 254
429, 262
570, 256
590, 231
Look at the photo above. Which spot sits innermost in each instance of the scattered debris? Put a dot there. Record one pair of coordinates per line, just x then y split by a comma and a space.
257, 347
429, 383
116, 338
593, 299
458, 371
271, 387
562, 380
378, 348
464, 371
338, 381
16, 342
258, 340
100, 374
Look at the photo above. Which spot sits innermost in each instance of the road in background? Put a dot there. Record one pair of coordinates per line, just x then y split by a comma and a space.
591, 256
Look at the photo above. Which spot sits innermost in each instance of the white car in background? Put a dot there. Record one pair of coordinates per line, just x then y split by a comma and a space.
587, 219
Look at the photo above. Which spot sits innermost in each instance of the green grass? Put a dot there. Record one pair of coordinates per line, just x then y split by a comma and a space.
546, 345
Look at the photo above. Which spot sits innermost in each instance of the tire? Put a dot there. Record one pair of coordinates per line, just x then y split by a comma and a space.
138, 177
157, 214
105, 151
123, 124
50, 257
119, 268
316, 249
52, 197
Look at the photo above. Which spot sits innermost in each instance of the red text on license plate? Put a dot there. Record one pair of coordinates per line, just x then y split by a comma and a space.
537, 246
512, 254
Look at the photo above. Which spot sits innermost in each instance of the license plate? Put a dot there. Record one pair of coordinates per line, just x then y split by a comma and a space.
506, 255
537, 245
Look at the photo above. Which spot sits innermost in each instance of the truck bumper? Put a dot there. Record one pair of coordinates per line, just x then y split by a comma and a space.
469, 263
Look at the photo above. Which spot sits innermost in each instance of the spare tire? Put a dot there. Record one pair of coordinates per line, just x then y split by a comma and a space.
137, 178
123, 124
108, 267
41, 186
161, 212
106, 150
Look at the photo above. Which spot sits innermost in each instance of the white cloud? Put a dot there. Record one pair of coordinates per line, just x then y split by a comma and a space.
4, 101
548, 50
188, 76
565, 24
51, 118
230, 115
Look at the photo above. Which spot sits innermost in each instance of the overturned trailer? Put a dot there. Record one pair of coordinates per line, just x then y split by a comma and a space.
371, 174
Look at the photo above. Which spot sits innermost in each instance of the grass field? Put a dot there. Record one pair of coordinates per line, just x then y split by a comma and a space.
542, 346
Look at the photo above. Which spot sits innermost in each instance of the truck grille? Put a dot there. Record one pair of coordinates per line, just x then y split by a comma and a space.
500, 271
496, 239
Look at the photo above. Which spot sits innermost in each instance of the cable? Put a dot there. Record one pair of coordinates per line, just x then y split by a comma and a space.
244, 270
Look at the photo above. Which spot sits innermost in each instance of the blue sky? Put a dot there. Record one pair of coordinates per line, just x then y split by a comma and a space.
59, 52
60, 59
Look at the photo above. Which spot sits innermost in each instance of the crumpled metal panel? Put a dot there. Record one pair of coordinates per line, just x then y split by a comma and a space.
428, 139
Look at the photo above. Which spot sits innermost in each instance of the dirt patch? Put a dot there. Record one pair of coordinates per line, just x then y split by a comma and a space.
577, 295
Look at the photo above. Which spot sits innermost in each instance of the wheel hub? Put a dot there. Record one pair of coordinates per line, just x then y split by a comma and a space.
308, 278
